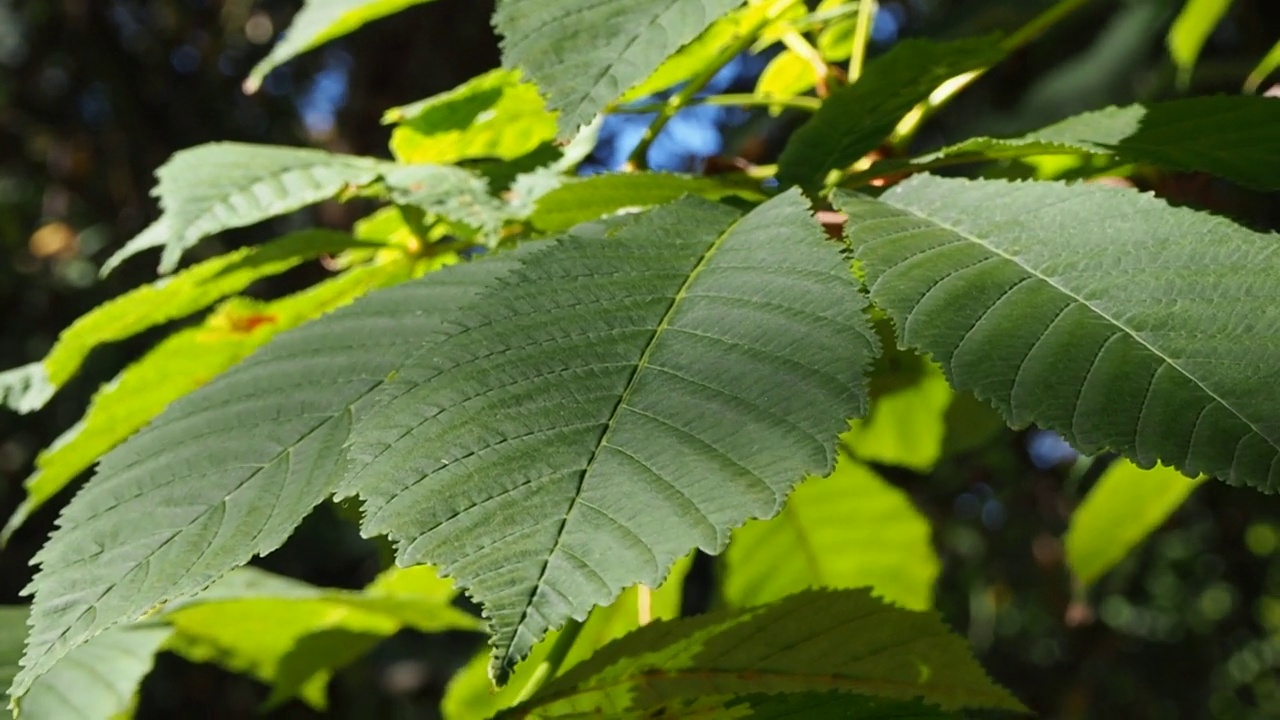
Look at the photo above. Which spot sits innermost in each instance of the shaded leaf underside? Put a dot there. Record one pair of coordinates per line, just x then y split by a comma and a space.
546, 438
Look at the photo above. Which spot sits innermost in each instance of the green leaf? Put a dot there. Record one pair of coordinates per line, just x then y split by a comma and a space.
471, 694
495, 115
318, 22
828, 706
1125, 506
814, 641
615, 44
589, 198
1267, 66
907, 424
854, 120
227, 472
696, 56
786, 76
848, 530
451, 193
568, 440
187, 292
218, 186
1193, 26
96, 681
1235, 137
293, 636
1098, 312
178, 365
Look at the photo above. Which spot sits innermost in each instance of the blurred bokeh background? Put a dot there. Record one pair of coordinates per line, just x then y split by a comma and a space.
96, 94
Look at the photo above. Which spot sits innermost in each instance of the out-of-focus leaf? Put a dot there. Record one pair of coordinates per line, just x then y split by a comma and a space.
179, 364
847, 530
1267, 66
1235, 137
814, 641
495, 115
786, 76
856, 119
1125, 506
1193, 26
318, 22
293, 636
471, 695
907, 425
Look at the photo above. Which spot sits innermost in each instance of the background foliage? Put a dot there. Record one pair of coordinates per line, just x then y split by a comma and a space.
94, 97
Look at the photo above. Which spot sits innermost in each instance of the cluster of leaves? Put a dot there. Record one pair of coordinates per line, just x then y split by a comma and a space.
552, 388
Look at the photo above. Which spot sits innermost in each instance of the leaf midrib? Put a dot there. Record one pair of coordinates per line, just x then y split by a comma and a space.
1105, 316
612, 422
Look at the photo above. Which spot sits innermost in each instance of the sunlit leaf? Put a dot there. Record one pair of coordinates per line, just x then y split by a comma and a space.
318, 22
1270, 62
615, 44
1193, 26
907, 424
494, 115
1125, 506
293, 636
857, 118
848, 530
178, 365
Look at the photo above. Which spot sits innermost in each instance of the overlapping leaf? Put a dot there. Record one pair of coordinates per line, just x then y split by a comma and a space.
494, 115
629, 352
812, 642
1101, 313
96, 681
179, 364
589, 198
318, 22
848, 530
586, 53
215, 187
471, 694
856, 119
623, 402
1235, 137
227, 472
1125, 506
293, 636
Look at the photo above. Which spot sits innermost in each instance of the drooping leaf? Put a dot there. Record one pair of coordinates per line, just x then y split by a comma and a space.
1235, 137
815, 641
178, 365
494, 115
856, 119
848, 530
96, 681
471, 695
1100, 313
318, 22
1269, 63
592, 197
293, 636
1125, 506
227, 472
615, 44
1193, 26
570, 440
218, 186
